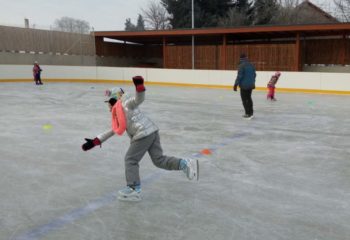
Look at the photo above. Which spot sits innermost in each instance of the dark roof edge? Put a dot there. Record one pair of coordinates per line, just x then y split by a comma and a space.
228, 30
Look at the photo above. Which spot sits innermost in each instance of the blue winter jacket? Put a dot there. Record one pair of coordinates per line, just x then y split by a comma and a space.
246, 75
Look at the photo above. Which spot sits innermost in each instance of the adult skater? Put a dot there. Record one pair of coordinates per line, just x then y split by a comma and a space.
246, 81
126, 116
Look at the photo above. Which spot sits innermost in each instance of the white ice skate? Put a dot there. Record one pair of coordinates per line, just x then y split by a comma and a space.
129, 194
192, 169
248, 117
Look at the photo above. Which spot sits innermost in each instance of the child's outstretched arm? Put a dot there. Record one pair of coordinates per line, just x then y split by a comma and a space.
91, 143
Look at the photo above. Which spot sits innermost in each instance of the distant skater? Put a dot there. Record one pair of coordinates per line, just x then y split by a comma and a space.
271, 86
37, 73
144, 137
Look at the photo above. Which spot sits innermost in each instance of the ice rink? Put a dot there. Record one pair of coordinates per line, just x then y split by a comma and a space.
283, 175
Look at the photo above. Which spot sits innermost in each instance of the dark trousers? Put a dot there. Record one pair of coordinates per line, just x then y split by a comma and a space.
37, 78
247, 101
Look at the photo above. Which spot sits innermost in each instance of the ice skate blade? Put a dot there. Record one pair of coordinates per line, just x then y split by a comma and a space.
129, 199
248, 118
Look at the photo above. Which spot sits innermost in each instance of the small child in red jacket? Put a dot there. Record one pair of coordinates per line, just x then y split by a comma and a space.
272, 85
37, 73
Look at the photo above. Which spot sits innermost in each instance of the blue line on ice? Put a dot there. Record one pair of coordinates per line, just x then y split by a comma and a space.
75, 214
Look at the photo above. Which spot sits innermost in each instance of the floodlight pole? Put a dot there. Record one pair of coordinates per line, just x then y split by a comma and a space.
192, 34
95, 54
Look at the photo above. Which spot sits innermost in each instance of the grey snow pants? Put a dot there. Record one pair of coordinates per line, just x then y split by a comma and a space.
138, 149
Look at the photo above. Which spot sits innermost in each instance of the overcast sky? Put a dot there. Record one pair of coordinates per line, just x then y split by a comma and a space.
101, 14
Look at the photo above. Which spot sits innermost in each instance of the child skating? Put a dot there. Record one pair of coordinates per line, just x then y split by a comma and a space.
271, 86
37, 73
126, 116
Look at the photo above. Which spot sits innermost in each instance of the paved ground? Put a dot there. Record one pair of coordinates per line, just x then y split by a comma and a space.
283, 175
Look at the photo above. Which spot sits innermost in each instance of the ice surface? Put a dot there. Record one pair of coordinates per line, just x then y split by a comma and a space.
283, 175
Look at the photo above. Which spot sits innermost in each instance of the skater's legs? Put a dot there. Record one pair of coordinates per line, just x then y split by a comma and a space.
272, 93
189, 166
244, 101
39, 79
250, 102
269, 94
160, 160
133, 156
247, 101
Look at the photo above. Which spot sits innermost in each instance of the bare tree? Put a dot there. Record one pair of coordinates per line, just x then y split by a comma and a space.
265, 11
286, 13
67, 24
232, 18
289, 3
156, 16
129, 26
344, 8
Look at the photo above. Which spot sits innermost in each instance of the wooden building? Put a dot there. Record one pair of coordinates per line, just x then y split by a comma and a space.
284, 48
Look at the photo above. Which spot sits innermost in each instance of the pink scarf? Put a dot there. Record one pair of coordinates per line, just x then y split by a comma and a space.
118, 118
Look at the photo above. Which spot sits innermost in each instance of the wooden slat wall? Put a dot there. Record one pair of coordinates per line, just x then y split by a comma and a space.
207, 57
324, 51
131, 51
264, 56
347, 52
179, 57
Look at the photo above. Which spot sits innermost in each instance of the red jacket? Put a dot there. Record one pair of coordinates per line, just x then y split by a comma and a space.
272, 81
36, 69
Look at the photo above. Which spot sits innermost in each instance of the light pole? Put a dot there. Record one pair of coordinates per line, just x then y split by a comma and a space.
192, 34
95, 54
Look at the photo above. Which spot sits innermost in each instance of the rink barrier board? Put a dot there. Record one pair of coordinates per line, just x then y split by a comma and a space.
291, 90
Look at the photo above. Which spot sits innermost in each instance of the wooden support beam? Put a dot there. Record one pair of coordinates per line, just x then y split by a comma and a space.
224, 53
297, 66
343, 50
164, 52
99, 46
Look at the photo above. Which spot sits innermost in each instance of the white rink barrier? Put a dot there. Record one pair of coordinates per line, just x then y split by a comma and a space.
289, 81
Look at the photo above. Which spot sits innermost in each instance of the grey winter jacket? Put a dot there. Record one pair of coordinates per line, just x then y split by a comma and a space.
138, 125
246, 75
